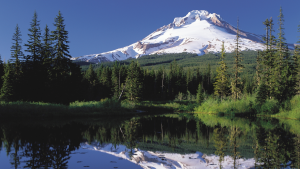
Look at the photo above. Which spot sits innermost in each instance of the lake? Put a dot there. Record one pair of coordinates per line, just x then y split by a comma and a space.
151, 141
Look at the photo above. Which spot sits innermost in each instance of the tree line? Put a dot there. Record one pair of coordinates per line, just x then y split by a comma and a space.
47, 74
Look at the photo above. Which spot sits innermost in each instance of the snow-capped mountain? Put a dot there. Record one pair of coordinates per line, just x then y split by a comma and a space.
198, 32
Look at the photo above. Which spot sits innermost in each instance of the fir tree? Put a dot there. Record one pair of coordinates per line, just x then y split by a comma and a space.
105, 81
46, 65
47, 49
60, 41
258, 72
33, 71
262, 93
297, 65
16, 51
115, 79
200, 97
236, 81
61, 66
1, 72
17, 54
282, 75
90, 75
8, 92
220, 86
133, 82
34, 42
91, 78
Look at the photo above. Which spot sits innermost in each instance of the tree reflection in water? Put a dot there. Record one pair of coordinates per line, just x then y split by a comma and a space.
49, 146
220, 143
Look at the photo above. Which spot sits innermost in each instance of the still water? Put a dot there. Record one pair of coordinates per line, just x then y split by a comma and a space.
151, 141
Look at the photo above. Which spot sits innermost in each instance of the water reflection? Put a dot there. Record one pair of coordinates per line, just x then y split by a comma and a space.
270, 143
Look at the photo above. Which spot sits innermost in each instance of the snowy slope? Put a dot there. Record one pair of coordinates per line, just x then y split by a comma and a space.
161, 160
198, 32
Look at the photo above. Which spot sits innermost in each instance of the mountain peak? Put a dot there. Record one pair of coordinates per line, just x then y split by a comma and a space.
198, 32
195, 15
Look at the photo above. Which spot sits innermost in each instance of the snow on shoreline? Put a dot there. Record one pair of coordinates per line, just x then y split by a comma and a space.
160, 160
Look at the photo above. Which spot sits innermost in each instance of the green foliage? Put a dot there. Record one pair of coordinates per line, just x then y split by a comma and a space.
221, 84
297, 64
133, 82
21, 109
262, 94
236, 80
1, 72
292, 109
220, 142
200, 96
227, 106
16, 50
8, 91
33, 45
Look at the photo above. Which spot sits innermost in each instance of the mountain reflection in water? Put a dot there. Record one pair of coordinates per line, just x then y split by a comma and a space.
269, 143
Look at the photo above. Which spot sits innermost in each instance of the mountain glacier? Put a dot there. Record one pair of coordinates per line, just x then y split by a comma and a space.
198, 32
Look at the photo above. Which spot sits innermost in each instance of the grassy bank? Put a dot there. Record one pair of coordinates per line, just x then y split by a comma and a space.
289, 109
292, 111
91, 108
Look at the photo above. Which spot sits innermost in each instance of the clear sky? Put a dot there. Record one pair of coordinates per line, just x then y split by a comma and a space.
97, 26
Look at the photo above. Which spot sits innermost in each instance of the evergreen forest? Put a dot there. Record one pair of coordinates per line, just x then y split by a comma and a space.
46, 73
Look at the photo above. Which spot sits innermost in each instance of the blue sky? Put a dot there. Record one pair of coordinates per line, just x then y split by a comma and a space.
97, 26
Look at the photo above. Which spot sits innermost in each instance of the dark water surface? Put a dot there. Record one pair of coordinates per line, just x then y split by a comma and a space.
74, 143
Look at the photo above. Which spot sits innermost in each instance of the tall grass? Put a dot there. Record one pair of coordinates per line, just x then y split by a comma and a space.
39, 109
245, 105
291, 110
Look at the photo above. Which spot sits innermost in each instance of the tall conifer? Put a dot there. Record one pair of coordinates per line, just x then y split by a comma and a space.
33, 72
17, 55
8, 90
61, 65
115, 79
16, 51
60, 41
1, 72
199, 98
34, 41
282, 75
221, 84
297, 64
133, 82
236, 81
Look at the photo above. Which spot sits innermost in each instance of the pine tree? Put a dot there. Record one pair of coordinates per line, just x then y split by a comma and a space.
199, 94
105, 81
33, 72
236, 81
90, 75
220, 86
61, 65
17, 54
297, 65
1, 72
91, 78
282, 74
60, 41
34, 42
47, 49
188, 79
258, 68
115, 79
16, 51
262, 93
133, 82
8, 92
